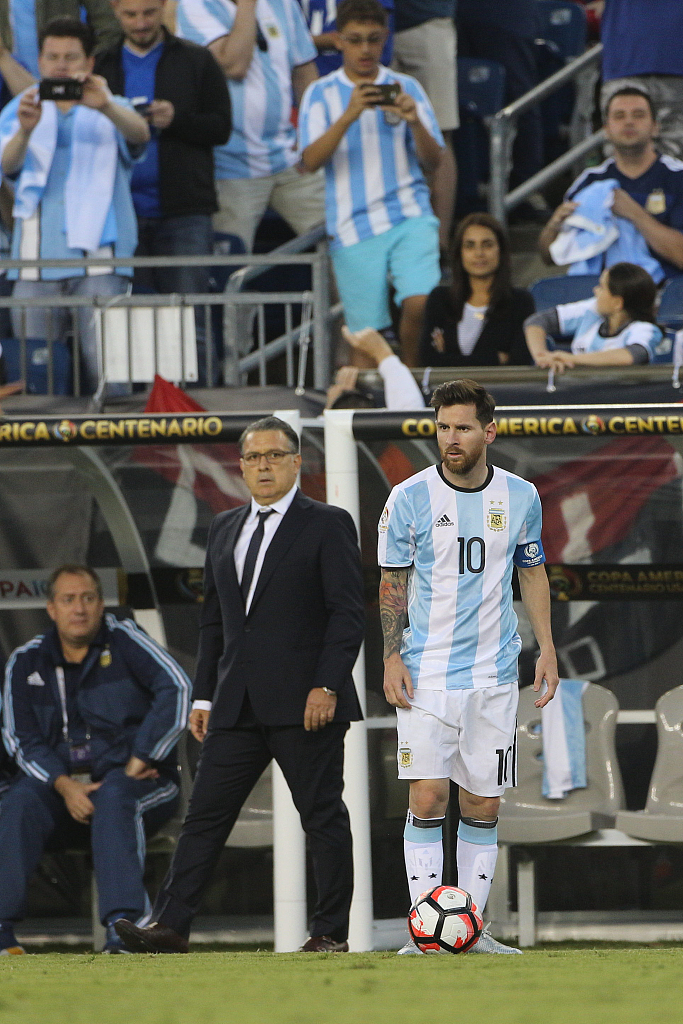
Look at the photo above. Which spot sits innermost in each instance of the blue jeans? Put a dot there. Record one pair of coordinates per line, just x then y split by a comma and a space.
190, 235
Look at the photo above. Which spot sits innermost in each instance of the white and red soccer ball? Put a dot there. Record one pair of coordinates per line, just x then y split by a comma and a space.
444, 920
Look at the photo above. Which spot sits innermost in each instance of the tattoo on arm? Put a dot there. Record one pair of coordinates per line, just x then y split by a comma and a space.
393, 607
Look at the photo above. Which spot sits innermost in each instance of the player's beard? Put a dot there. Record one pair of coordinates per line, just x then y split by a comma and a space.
464, 464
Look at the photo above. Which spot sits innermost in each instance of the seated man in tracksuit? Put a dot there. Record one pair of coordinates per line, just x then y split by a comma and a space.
92, 711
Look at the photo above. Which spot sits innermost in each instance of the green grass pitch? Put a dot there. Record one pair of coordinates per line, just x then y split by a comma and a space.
598, 985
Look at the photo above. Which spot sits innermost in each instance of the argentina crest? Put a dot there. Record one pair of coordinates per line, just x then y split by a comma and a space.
496, 518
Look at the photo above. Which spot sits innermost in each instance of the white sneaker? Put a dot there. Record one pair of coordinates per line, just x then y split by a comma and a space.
410, 949
487, 944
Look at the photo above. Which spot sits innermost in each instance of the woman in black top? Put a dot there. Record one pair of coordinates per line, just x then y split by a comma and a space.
478, 320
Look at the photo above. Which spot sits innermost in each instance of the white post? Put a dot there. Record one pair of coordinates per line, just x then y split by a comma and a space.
289, 869
341, 473
289, 841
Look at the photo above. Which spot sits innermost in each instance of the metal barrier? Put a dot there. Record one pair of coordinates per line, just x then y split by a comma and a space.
503, 129
160, 324
235, 327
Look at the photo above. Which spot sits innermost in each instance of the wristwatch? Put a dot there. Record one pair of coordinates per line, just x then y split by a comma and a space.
328, 691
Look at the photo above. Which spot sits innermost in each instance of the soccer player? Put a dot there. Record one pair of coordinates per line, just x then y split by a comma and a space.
448, 539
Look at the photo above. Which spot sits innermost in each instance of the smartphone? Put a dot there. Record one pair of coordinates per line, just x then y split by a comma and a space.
140, 105
60, 89
389, 93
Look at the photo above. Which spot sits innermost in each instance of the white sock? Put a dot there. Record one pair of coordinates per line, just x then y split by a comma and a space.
423, 852
476, 855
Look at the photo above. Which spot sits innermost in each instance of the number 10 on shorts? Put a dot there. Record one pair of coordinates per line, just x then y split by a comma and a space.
507, 765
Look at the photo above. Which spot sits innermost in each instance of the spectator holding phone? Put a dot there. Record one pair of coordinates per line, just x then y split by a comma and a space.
71, 161
180, 90
373, 130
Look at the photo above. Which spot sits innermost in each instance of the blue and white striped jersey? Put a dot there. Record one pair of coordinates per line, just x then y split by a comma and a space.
461, 544
582, 320
263, 138
373, 181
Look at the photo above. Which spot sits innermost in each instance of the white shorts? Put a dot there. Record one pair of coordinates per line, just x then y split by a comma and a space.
428, 53
469, 736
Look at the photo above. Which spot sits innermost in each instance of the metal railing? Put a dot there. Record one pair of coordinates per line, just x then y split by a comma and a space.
237, 364
230, 328
503, 130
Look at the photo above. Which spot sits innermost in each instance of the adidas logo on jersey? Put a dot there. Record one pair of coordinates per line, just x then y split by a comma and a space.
444, 521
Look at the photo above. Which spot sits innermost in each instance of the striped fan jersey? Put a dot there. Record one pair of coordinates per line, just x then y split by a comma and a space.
582, 320
373, 181
461, 544
263, 138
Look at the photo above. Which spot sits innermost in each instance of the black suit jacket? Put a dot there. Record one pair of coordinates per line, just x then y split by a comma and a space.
503, 331
189, 76
305, 623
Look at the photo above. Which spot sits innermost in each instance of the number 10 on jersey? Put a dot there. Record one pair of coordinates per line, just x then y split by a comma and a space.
471, 554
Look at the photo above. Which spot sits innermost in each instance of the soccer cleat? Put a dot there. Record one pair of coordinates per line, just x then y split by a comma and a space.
113, 943
410, 949
8, 942
487, 944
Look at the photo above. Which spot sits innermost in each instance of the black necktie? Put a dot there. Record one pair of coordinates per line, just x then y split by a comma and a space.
252, 553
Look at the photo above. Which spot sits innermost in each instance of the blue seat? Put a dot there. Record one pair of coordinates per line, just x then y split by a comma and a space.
553, 291
37, 356
481, 94
561, 36
562, 23
671, 306
670, 318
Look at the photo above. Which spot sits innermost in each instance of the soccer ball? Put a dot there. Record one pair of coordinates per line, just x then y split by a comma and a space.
444, 920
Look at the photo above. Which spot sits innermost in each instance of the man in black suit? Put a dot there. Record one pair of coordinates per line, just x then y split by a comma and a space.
282, 623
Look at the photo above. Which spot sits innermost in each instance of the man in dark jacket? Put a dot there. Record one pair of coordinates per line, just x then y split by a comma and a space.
180, 89
92, 711
282, 624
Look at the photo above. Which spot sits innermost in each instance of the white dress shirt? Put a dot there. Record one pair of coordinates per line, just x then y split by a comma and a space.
269, 528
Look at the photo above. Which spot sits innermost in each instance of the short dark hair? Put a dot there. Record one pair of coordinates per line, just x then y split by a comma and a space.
631, 90
68, 28
360, 10
72, 569
465, 392
634, 285
271, 423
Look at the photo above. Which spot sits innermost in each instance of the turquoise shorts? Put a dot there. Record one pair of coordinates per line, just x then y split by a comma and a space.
407, 256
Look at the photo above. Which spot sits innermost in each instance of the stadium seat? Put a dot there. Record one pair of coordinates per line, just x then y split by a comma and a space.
563, 23
670, 310
553, 291
561, 36
528, 819
662, 819
481, 94
37, 359
526, 816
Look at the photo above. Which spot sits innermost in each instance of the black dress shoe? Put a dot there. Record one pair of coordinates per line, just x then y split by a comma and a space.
324, 944
154, 938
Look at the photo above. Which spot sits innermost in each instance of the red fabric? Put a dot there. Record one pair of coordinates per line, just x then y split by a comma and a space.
216, 476
166, 397
591, 503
